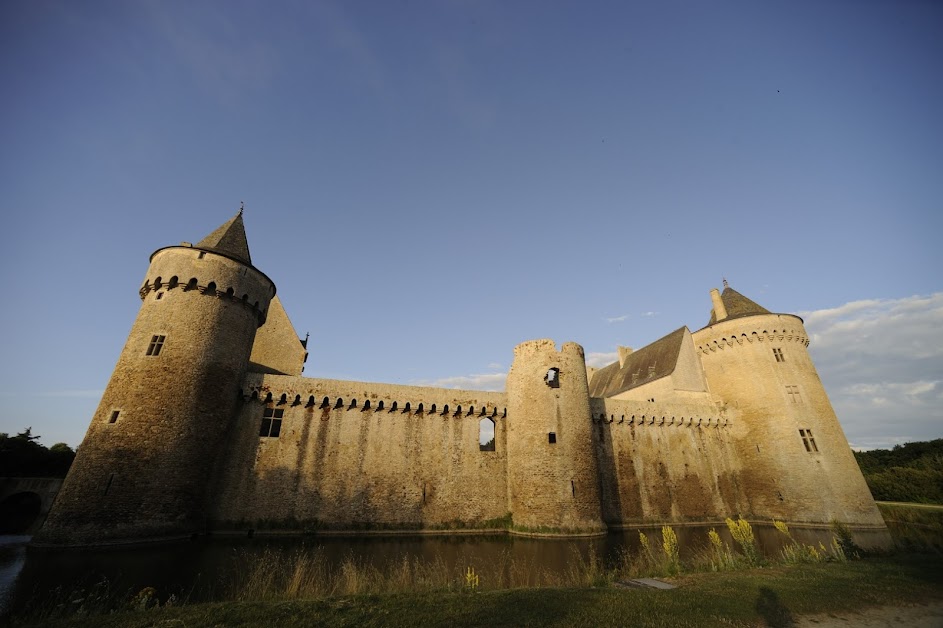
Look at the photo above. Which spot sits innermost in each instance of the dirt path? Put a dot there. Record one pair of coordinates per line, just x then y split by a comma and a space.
924, 616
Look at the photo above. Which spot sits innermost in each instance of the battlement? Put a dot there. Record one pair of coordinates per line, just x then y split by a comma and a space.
718, 341
613, 412
327, 394
209, 288
544, 346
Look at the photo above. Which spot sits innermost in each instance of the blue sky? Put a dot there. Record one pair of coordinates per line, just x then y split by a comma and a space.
431, 183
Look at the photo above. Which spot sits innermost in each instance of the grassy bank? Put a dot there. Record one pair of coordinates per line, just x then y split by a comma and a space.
739, 598
722, 583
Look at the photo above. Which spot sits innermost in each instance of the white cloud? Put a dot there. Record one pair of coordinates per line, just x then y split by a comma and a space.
649, 313
881, 361
617, 319
478, 381
598, 359
496, 366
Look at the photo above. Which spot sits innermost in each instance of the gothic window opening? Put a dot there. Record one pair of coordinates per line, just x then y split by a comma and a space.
157, 343
778, 354
552, 378
808, 441
486, 435
271, 423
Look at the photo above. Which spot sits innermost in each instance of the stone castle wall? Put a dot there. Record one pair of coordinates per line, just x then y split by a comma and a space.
354, 455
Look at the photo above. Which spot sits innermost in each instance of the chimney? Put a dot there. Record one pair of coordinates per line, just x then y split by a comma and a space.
624, 352
720, 312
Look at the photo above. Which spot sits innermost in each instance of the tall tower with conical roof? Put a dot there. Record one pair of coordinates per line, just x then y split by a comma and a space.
150, 453
797, 463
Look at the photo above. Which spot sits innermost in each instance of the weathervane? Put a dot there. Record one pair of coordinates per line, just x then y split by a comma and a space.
726, 285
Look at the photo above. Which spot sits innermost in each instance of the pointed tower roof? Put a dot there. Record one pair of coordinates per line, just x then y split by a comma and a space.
229, 240
737, 305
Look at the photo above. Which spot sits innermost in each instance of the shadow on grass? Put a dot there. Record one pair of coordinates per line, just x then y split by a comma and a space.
770, 608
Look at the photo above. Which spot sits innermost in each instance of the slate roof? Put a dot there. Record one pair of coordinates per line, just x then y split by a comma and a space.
649, 363
229, 239
737, 306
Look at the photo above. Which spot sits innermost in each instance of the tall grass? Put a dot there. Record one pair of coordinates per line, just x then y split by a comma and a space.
914, 529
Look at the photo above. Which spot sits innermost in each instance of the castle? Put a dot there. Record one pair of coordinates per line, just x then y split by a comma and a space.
207, 425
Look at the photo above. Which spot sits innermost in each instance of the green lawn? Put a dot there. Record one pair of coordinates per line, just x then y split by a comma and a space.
743, 598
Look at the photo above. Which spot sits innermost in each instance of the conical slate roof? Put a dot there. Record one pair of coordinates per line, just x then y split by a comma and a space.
737, 305
229, 239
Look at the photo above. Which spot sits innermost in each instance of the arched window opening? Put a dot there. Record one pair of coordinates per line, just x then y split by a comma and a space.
192, 284
157, 283
230, 292
353, 404
393, 408
433, 409
504, 414
325, 403
471, 411
486, 435
484, 411
339, 404
495, 413
366, 406
419, 409
445, 409
268, 398
379, 406
255, 395
406, 408
210, 289
297, 401
310, 403
174, 282
458, 411
283, 399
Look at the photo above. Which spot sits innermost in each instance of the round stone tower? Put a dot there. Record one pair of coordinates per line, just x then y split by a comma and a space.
553, 485
798, 465
150, 453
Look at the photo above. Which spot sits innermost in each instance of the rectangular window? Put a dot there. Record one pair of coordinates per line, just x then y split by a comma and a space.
552, 438
157, 343
271, 423
793, 392
808, 441
114, 416
778, 354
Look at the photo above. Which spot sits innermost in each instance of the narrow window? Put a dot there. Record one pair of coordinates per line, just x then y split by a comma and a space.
157, 343
486, 435
201, 255
160, 295
552, 438
114, 416
573, 487
271, 422
793, 392
808, 441
111, 478
552, 378
778, 354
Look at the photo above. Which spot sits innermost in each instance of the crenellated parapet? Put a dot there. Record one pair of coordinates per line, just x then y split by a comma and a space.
726, 338
185, 269
369, 398
618, 413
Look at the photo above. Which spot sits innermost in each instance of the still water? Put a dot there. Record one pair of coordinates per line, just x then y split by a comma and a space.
207, 569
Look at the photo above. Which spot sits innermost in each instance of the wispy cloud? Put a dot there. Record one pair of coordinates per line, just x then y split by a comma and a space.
599, 359
649, 313
617, 319
478, 381
881, 361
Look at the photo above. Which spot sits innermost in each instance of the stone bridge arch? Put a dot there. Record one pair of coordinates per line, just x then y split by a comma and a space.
25, 502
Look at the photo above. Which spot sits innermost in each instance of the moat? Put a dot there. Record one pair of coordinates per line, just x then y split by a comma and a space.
216, 568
